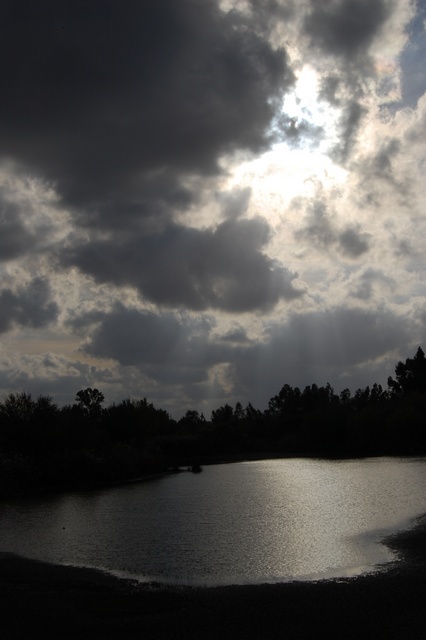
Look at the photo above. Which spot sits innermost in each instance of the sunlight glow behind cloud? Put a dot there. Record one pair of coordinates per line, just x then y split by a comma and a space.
226, 178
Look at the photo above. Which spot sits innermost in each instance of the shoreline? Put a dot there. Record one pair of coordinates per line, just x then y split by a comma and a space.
50, 601
182, 465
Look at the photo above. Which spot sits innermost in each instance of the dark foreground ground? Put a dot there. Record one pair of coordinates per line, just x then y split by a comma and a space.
46, 601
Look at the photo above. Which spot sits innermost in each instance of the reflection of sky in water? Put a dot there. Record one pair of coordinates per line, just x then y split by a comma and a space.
249, 522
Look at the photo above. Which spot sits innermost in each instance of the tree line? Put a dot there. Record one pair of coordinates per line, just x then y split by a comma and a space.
46, 446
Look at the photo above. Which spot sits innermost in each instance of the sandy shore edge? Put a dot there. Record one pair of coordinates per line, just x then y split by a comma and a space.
39, 600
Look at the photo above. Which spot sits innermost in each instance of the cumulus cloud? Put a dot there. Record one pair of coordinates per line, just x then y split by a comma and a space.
134, 337
14, 238
110, 100
222, 268
347, 347
164, 348
29, 306
149, 246
346, 28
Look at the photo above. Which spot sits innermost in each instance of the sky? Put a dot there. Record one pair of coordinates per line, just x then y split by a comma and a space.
204, 200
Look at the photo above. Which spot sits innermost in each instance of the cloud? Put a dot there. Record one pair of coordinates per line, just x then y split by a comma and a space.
369, 281
14, 238
237, 335
358, 43
348, 347
51, 374
111, 100
413, 77
149, 246
318, 229
235, 203
322, 231
216, 268
353, 243
350, 122
342, 336
132, 337
346, 28
164, 348
380, 172
383, 159
30, 221
29, 306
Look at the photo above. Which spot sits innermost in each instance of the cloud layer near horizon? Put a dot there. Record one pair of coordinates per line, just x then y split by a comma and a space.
201, 201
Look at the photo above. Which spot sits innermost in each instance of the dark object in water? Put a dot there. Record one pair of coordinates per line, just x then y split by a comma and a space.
196, 468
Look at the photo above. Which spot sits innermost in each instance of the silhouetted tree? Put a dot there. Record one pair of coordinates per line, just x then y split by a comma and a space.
378, 394
361, 397
90, 401
17, 407
192, 420
239, 413
223, 415
410, 376
288, 399
314, 398
82, 443
345, 397
27, 423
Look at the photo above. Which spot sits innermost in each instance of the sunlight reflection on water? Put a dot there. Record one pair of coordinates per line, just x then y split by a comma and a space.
263, 521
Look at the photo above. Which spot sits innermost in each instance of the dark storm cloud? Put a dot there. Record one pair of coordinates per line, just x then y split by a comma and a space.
14, 239
341, 337
165, 348
222, 268
268, 11
107, 98
29, 306
133, 337
346, 27
339, 346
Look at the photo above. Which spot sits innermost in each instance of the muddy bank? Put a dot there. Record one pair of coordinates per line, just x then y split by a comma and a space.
46, 601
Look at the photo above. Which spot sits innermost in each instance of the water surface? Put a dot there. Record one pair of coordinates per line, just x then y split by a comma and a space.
263, 521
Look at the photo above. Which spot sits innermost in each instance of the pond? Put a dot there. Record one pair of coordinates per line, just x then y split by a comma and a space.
251, 522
